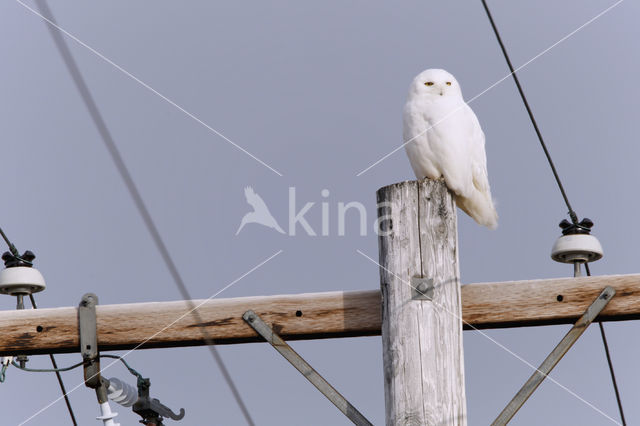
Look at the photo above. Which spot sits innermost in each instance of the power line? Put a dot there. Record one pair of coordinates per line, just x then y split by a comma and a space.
609, 362
109, 143
572, 213
55, 369
126, 364
15, 252
612, 373
12, 248
58, 376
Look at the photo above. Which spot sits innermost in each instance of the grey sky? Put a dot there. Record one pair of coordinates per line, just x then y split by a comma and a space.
316, 90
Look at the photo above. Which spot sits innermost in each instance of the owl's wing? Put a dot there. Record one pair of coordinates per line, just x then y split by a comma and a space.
478, 155
479, 204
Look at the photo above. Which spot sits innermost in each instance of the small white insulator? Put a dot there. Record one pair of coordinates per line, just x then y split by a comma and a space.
121, 392
106, 415
21, 280
576, 248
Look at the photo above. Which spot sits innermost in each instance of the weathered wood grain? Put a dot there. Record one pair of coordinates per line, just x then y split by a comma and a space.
421, 339
324, 315
169, 324
550, 301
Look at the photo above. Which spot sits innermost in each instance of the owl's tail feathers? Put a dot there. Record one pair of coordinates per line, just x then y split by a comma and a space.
480, 207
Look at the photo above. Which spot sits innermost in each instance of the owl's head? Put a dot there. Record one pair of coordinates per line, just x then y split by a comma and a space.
435, 83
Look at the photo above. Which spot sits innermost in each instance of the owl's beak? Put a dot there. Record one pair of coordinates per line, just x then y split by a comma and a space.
441, 92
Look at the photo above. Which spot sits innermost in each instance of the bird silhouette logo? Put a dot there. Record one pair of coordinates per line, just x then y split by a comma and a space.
260, 213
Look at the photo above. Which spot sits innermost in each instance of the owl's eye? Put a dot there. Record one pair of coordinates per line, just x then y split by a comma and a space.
429, 83
448, 83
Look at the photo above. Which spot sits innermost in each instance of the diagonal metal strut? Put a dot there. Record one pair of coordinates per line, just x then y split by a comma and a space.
304, 368
554, 357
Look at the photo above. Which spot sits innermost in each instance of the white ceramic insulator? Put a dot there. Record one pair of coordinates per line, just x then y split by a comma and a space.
21, 279
106, 415
121, 392
576, 248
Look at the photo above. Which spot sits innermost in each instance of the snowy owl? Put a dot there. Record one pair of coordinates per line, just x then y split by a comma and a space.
443, 139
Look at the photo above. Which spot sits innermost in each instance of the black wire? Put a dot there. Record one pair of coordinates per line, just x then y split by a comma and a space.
58, 375
609, 362
572, 213
6, 240
131, 369
613, 374
47, 370
135, 194
14, 251
56, 369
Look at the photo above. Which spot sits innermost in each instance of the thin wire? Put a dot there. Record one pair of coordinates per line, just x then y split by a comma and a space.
613, 374
14, 251
56, 369
609, 361
146, 86
107, 139
572, 213
6, 240
47, 370
63, 389
131, 369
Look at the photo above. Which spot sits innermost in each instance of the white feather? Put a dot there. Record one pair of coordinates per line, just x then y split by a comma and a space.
446, 141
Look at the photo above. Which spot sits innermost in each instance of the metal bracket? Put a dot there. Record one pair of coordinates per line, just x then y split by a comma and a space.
555, 356
152, 410
303, 367
88, 332
422, 288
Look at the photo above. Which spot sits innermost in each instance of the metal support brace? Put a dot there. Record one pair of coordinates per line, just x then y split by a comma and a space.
555, 356
303, 367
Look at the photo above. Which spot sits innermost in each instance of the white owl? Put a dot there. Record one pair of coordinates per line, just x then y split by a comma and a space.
443, 139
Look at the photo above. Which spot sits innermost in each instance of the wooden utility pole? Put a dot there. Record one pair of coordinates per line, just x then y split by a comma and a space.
421, 305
